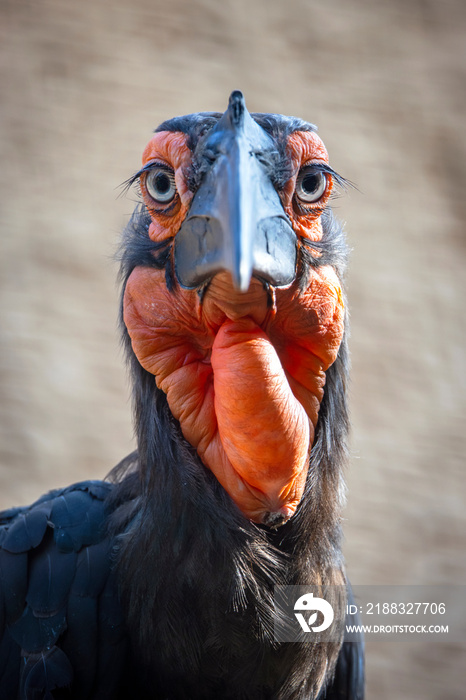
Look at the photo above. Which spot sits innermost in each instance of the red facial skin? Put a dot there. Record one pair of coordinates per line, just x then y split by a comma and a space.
244, 381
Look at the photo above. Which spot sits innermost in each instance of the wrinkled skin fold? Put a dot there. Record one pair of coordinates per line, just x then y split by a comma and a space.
244, 381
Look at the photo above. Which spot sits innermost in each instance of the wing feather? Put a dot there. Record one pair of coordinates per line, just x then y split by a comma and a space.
60, 618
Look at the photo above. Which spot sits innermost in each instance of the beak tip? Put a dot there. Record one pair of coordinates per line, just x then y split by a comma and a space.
242, 276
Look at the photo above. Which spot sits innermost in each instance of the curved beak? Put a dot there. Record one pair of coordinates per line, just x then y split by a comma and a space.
236, 221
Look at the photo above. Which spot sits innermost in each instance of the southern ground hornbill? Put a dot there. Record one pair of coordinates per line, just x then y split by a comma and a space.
158, 583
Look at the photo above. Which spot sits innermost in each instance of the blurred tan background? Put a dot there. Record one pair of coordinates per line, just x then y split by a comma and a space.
83, 85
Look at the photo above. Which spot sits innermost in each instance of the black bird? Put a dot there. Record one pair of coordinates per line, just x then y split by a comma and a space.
159, 582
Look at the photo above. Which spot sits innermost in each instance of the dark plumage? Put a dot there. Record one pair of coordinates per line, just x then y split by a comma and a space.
154, 584
61, 621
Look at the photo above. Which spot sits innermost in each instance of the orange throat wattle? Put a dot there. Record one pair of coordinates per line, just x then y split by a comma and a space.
245, 381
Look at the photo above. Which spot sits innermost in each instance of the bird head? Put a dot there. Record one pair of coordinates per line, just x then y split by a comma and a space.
232, 301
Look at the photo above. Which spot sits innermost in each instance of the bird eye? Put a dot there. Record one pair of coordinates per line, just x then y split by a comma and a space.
160, 184
310, 185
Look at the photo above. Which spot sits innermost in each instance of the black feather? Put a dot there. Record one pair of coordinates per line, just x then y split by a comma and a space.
13, 583
113, 648
80, 641
52, 596
10, 660
50, 575
43, 673
34, 633
26, 530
